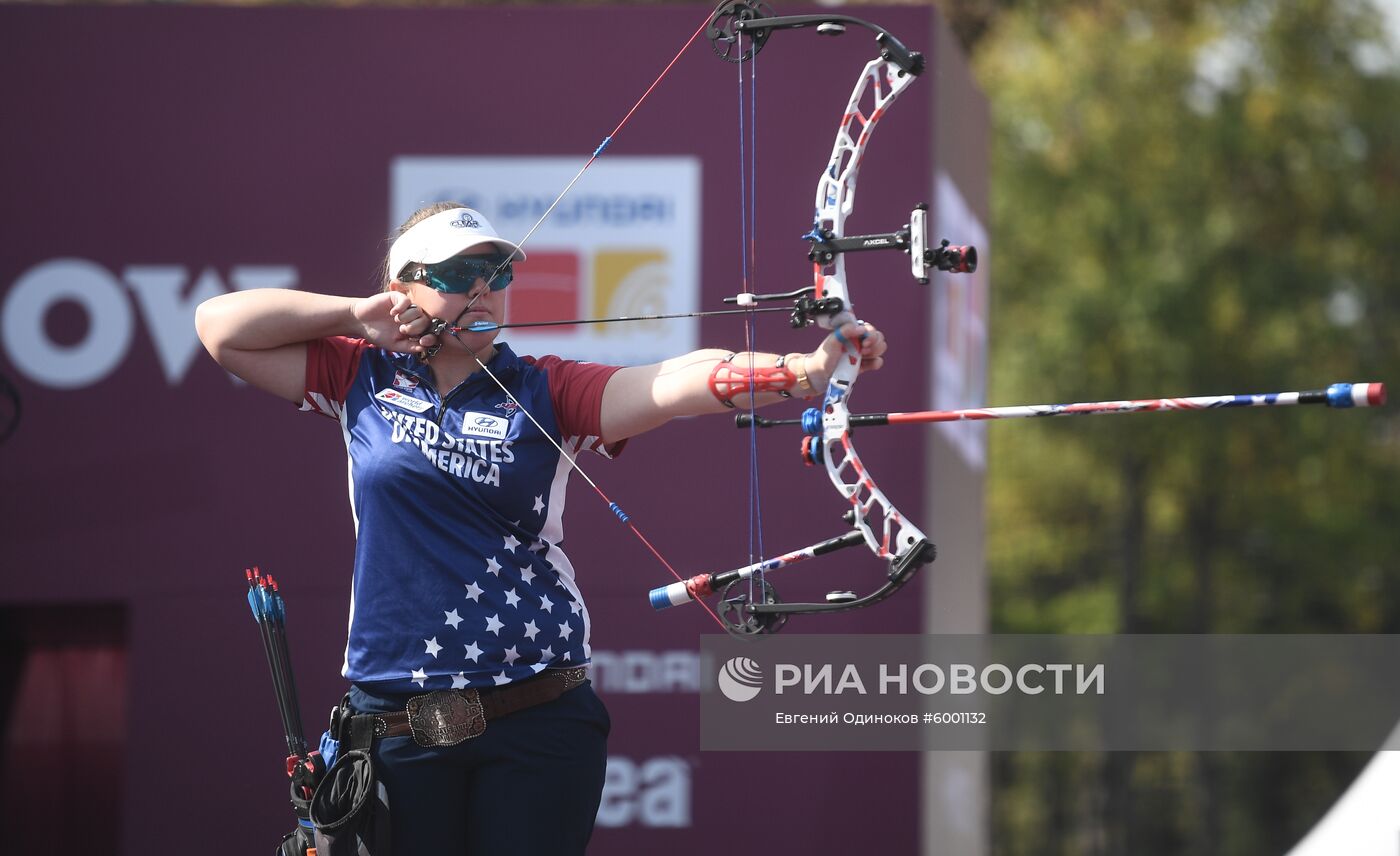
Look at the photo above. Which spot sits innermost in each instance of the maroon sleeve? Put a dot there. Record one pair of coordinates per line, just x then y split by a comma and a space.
576, 390
331, 366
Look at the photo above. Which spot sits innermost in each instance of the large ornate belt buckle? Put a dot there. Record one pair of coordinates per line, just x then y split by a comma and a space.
446, 718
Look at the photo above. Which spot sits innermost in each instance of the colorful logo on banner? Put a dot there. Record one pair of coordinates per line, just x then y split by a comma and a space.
626, 244
631, 283
546, 288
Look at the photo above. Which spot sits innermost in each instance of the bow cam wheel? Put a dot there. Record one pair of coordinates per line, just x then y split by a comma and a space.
731, 44
734, 609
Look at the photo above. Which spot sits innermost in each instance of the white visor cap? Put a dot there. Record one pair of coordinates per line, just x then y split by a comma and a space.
444, 235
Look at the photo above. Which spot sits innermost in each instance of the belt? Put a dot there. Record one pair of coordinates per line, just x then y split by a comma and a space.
447, 717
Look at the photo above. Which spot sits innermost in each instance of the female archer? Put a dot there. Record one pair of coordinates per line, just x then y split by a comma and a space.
468, 637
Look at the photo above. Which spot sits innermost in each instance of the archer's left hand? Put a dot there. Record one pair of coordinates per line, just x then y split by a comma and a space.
851, 338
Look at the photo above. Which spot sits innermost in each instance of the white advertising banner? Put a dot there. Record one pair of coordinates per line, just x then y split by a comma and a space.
960, 325
623, 242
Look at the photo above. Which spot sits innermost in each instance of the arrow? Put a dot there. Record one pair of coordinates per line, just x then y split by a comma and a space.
1338, 395
269, 611
488, 326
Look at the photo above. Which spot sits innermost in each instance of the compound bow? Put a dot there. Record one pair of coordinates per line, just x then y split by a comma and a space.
738, 30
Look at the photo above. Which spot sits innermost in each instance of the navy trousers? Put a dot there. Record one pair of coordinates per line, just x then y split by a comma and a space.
529, 786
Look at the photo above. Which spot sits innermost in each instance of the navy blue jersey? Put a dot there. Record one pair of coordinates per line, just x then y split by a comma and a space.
460, 574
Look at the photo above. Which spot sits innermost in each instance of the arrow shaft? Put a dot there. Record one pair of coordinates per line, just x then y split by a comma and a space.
287, 689
1338, 395
1372, 395
274, 666
268, 612
487, 326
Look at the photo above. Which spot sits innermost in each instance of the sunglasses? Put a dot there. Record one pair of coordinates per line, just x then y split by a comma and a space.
458, 274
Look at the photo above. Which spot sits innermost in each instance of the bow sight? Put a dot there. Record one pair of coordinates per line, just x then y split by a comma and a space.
912, 239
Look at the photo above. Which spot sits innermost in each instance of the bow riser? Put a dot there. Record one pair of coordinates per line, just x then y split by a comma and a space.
897, 537
878, 86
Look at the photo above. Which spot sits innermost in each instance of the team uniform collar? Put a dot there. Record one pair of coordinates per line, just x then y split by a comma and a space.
504, 365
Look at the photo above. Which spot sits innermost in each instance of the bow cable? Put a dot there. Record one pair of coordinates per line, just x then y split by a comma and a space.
748, 255
453, 329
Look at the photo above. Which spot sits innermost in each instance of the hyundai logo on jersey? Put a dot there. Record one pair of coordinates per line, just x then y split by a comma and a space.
485, 425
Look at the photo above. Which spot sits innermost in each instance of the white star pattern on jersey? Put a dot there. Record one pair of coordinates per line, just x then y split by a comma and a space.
514, 647
502, 625
507, 612
522, 634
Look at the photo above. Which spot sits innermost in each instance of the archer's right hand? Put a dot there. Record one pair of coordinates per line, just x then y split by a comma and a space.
392, 322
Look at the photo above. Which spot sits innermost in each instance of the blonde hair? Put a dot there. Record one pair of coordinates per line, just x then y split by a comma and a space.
386, 275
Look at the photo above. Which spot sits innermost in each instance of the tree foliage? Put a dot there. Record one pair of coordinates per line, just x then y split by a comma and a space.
1190, 198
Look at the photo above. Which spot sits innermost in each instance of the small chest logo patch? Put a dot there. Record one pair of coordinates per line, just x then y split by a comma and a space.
407, 402
485, 425
406, 382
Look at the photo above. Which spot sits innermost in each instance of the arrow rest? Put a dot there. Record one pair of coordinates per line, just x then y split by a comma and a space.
806, 307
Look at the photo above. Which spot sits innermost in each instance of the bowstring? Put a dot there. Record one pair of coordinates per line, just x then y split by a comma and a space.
602, 147
748, 180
